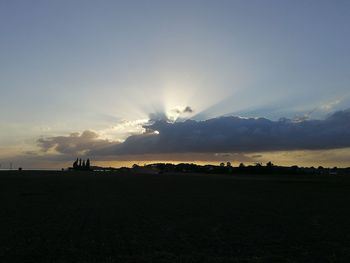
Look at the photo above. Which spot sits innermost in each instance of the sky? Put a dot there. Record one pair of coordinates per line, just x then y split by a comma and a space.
127, 82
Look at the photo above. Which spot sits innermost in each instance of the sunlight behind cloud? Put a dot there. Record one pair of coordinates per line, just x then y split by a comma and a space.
122, 130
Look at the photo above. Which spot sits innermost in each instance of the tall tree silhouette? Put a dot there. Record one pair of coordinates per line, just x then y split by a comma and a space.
75, 164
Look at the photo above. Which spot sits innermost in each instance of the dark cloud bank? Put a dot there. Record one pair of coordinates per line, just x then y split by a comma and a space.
219, 135
74, 144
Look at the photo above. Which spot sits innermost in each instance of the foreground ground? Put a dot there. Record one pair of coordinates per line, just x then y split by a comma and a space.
91, 217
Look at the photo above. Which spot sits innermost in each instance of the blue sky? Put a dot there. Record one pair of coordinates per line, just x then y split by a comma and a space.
107, 66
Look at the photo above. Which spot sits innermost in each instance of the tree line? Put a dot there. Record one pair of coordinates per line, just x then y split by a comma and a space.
80, 164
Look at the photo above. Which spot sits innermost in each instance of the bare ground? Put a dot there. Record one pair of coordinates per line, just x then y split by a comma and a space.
111, 217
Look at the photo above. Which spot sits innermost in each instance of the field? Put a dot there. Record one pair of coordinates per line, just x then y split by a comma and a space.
106, 217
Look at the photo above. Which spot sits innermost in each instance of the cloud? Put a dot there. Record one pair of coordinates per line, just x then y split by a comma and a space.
188, 109
214, 136
330, 105
158, 116
218, 139
73, 144
173, 115
179, 157
304, 117
234, 134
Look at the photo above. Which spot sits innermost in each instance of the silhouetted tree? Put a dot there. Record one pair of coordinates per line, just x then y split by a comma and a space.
228, 164
222, 164
241, 165
83, 165
269, 164
79, 163
88, 164
75, 164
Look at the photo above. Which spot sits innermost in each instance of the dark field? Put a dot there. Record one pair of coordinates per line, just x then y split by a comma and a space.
101, 217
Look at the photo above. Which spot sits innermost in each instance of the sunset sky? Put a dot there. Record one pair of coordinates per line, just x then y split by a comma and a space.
127, 82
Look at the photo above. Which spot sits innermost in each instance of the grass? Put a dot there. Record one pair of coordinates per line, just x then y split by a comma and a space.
90, 217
